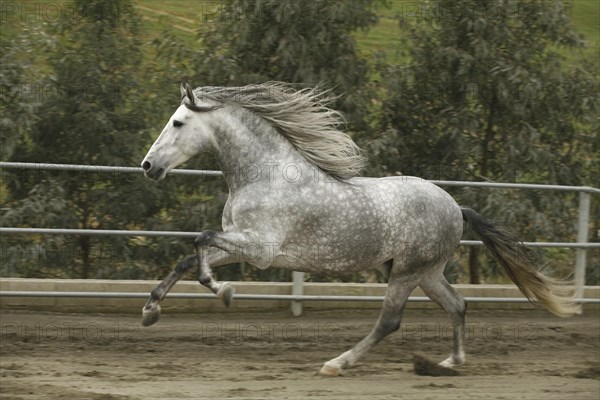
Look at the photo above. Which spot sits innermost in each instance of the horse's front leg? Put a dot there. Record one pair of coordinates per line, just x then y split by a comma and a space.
241, 246
223, 290
151, 311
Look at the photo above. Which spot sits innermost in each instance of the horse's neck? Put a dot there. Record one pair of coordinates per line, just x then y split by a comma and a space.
251, 151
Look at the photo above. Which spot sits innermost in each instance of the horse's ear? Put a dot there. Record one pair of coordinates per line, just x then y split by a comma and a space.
192, 102
189, 93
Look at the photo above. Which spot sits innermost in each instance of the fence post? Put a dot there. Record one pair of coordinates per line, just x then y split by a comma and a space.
297, 289
582, 237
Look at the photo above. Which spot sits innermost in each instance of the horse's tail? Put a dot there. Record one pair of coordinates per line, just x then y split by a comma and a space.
518, 261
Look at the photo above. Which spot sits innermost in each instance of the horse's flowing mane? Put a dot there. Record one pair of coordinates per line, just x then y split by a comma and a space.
301, 116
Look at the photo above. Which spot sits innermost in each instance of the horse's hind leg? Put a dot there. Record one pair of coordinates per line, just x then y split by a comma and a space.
399, 288
439, 290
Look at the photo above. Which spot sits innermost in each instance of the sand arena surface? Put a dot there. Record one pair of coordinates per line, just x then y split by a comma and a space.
510, 355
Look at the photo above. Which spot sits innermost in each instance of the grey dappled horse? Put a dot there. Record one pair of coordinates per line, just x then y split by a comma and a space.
295, 202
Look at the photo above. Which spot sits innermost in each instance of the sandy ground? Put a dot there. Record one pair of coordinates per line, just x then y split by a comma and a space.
510, 355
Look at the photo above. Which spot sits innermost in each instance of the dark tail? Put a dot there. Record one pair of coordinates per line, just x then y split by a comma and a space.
519, 262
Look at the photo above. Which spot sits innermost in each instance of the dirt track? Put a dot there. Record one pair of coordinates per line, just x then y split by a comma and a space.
510, 355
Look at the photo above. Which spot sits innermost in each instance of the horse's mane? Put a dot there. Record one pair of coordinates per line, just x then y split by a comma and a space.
301, 116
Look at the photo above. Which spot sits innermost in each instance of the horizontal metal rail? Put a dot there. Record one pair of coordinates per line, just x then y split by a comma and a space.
531, 186
109, 232
103, 168
100, 168
541, 244
287, 297
97, 232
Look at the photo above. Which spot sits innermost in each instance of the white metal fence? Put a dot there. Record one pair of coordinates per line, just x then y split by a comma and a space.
581, 246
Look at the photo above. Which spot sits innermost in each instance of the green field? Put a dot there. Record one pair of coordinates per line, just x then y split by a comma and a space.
184, 17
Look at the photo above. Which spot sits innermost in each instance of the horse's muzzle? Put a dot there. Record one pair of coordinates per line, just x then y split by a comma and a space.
152, 171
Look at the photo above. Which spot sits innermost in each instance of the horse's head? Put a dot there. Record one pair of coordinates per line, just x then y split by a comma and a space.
186, 134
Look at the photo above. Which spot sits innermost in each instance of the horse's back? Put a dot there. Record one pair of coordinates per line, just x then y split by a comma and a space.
411, 197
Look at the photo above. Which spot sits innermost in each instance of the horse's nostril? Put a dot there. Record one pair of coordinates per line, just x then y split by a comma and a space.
146, 165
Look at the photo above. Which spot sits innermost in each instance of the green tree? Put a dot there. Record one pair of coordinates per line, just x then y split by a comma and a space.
305, 42
16, 86
92, 112
487, 95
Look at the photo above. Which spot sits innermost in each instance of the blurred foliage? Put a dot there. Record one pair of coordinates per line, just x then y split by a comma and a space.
305, 42
17, 79
485, 96
490, 91
87, 111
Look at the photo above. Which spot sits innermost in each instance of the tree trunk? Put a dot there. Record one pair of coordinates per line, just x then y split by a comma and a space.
85, 245
473, 266
486, 154
485, 143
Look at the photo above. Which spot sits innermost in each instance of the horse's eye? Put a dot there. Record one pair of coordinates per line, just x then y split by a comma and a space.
177, 124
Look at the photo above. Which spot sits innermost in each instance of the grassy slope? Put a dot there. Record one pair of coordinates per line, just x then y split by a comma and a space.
184, 16
585, 16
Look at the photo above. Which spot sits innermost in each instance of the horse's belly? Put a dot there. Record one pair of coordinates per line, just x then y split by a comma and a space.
327, 266
332, 254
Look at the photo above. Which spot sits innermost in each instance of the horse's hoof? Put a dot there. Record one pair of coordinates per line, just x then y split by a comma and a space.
326, 370
447, 363
453, 361
150, 315
226, 294
425, 367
